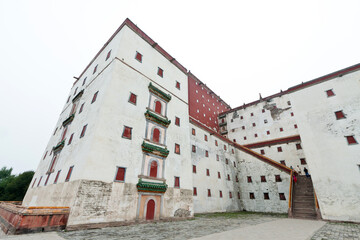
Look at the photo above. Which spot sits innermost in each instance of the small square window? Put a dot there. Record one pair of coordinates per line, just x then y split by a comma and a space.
177, 148
70, 139
207, 172
289, 103
252, 195
263, 178
225, 147
206, 153
265, 121
84, 81
251, 114
302, 161
178, 85
292, 114
69, 174
241, 117
230, 194
177, 182
194, 191
127, 132
193, 148
266, 196
330, 93
295, 125
108, 55
57, 177
205, 137
177, 121
220, 194
279, 149
351, 140
226, 161
278, 178
120, 174
339, 115
263, 110
282, 196
160, 72
194, 168
132, 98
243, 127
81, 108
254, 124
281, 129
268, 132
209, 193
244, 138
298, 146
95, 68
232, 150
262, 151
283, 162
138, 57
193, 131
83, 131
219, 175
255, 135
228, 177
216, 143
249, 179
94, 97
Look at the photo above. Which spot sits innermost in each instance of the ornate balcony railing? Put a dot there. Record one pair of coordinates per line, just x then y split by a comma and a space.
143, 186
59, 146
157, 118
156, 150
68, 120
159, 93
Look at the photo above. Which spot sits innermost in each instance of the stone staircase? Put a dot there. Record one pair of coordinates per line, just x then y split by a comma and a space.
303, 205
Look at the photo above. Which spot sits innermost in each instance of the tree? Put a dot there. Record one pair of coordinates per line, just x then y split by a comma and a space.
13, 188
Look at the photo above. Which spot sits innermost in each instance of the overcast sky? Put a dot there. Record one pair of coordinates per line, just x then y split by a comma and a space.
238, 48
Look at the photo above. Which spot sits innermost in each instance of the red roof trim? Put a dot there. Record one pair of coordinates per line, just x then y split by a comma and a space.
273, 142
143, 35
243, 148
302, 85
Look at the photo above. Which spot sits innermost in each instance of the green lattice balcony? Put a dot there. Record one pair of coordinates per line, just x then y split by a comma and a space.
59, 146
222, 116
68, 120
159, 93
222, 124
156, 118
78, 96
156, 150
143, 186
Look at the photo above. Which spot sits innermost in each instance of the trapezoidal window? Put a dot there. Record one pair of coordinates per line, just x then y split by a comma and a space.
158, 107
156, 135
108, 55
351, 140
127, 132
330, 93
69, 174
177, 182
339, 115
138, 56
132, 98
153, 169
120, 174
160, 72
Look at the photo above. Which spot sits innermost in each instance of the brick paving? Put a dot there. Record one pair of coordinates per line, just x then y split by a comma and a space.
338, 231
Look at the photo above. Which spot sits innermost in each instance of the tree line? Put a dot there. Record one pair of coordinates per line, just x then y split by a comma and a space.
14, 187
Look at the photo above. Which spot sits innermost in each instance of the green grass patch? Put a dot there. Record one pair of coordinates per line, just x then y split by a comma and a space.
238, 214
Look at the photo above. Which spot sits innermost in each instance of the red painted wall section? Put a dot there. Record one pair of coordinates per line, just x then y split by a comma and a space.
204, 104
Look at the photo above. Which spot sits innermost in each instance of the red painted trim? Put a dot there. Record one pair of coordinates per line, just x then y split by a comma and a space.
143, 35
273, 142
302, 86
243, 148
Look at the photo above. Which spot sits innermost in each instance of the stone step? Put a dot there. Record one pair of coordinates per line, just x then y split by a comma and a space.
305, 216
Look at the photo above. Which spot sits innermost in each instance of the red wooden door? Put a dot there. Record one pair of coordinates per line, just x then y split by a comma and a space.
150, 210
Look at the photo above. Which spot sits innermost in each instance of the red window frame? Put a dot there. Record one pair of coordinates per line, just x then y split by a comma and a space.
254, 124
268, 132
95, 68
279, 149
127, 132
282, 196
70, 139
177, 182
94, 97
81, 108
330, 93
194, 168
39, 181
292, 114
207, 172
283, 162
281, 129
83, 131
238, 195
47, 179
177, 85
251, 195
262, 151
177, 148
193, 148
33, 183
230, 194
255, 135
228, 177
339, 115
132, 98
194, 191
193, 131
295, 126
351, 140
57, 177
138, 56
209, 193
245, 138
160, 72
205, 137
278, 178
219, 175
120, 174
45, 155
216, 143
303, 161
177, 121
68, 176
220, 194
84, 81
298, 146
108, 55
206, 153
249, 180
263, 178
266, 196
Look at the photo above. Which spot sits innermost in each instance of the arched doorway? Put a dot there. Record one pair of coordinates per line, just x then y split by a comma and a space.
150, 210
153, 169
156, 135
158, 107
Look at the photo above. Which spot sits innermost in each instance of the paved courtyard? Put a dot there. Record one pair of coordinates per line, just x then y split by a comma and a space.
215, 226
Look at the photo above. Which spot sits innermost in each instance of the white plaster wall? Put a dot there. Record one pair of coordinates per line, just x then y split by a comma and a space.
203, 203
332, 162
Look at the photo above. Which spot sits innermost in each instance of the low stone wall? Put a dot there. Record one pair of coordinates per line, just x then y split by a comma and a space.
17, 219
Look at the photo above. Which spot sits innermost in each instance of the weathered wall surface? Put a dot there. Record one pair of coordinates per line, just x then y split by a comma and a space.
334, 164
